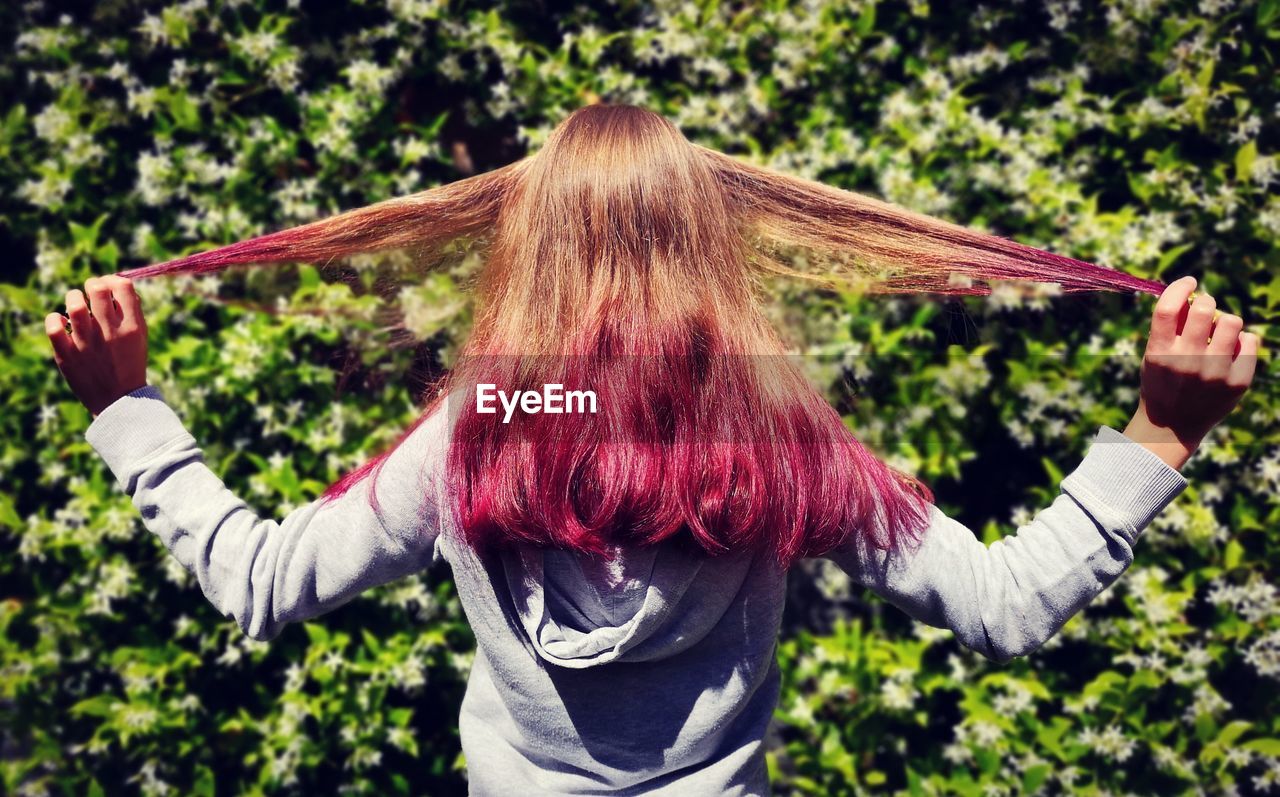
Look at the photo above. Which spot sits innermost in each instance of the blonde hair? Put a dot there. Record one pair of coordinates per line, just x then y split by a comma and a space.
624, 258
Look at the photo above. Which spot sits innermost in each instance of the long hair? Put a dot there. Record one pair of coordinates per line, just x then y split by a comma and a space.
623, 259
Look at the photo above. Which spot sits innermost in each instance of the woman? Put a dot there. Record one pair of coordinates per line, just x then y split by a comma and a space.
624, 569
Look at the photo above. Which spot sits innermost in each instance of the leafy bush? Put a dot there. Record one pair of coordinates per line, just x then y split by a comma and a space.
1137, 133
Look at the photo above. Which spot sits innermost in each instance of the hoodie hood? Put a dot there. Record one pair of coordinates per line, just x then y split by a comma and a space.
578, 611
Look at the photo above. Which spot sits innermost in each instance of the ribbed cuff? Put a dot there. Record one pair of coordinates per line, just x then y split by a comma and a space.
132, 428
1132, 484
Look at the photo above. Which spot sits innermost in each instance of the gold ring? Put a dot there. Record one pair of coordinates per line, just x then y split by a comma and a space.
1216, 313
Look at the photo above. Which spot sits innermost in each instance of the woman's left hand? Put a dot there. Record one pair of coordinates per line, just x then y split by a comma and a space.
104, 354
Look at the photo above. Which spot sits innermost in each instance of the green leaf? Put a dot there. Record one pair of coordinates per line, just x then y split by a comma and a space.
1103, 683
1054, 473
1140, 186
1167, 259
1034, 777
400, 717
1268, 292
309, 276
184, 112
1205, 76
1050, 736
317, 633
867, 20
86, 237
8, 514
1267, 747
1145, 679
1233, 730
205, 785
98, 706
1232, 555
175, 24
1245, 157
988, 760
1205, 726
1268, 13
109, 254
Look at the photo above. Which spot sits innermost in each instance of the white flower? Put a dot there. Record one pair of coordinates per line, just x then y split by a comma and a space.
1239, 756
152, 27
986, 733
47, 192
957, 753
400, 738
898, 692
285, 74
414, 10
413, 149
231, 655
1021, 516
150, 782
174, 570
409, 674
1264, 655
154, 171
294, 677
930, 634
139, 717
53, 123
1017, 698
179, 71
1111, 743
366, 76
1082, 706
257, 46
364, 758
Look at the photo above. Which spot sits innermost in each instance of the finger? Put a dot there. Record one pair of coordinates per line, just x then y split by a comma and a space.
55, 326
83, 328
130, 306
1226, 330
1195, 335
101, 305
1222, 344
1242, 368
1170, 308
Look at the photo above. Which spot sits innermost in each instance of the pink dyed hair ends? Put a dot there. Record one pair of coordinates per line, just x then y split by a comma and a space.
623, 259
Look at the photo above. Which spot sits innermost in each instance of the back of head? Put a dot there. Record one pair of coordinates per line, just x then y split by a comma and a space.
620, 266
617, 233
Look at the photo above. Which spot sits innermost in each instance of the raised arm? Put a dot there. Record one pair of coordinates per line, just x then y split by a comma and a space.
1007, 599
262, 572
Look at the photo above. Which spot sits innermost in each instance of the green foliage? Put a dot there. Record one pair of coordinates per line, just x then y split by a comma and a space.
1135, 134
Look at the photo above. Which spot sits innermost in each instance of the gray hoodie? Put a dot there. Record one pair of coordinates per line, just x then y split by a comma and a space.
652, 673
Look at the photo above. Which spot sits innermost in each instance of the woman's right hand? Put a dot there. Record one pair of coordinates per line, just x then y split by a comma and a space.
1194, 371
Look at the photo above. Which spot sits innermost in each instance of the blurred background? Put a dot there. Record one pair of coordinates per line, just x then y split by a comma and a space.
1139, 134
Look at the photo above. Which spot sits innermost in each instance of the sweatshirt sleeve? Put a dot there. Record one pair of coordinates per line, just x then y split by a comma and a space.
1007, 599
262, 572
